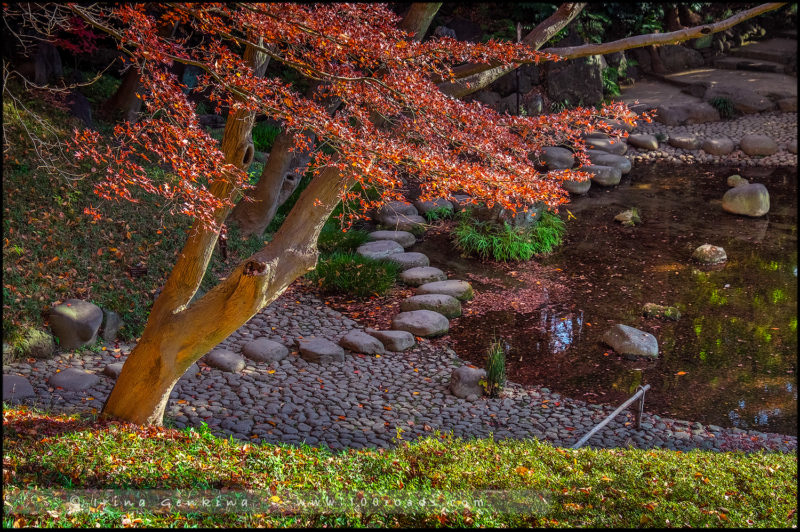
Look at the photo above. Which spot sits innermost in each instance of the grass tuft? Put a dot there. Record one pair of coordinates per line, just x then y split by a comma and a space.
351, 274
490, 240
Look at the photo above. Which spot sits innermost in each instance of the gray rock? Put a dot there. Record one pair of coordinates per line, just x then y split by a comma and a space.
686, 142
615, 145
709, 254
736, 180
744, 100
631, 342
379, 249
361, 342
16, 387
73, 379
320, 351
112, 323
643, 141
113, 370
225, 360
607, 176
652, 310
577, 187
465, 381
618, 124
427, 206
791, 147
577, 80
686, 113
749, 200
788, 105
404, 238
265, 350
602, 158
425, 323
460, 201
190, 373
758, 145
422, 275
403, 222
461, 290
557, 158
37, 344
445, 305
677, 58
75, 323
409, 259
718, 145
396, 208
394, 340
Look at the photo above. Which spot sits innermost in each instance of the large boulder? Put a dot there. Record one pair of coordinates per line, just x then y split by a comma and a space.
16, 387
112, 323
403, 222
709, 254
394, 340
425, 323
578, 81
676, 114
265, 350
225, 360
718, 145
465, 382
577, 187
445, 305
421, 275
606, 176
37, 344
461, 290
438, 203
75, 323
320, 351
394, 208
404, 238
73, 380
379, 249
758, 145
631, 342
744, 100
677, 58
361, 342
749, 200
601, 158
557, 158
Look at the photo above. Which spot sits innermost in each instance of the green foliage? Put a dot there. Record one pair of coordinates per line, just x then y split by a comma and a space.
495, 368
351, 274
264, 135
332, 238
490, 240
439, 213
610, 77
724, 106
557, 107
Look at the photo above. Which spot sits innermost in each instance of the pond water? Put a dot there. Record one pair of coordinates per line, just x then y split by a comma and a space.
730, 360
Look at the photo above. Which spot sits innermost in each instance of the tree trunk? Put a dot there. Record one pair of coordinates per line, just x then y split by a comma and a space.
123, 104
175, 336
672, 18
418, 18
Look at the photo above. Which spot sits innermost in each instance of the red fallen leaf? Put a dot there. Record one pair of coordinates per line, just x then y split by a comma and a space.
387, 407
569, 428
342, 418
557, 404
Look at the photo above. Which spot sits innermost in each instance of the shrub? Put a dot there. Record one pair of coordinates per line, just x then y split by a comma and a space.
439, 213
495, 369
503, 242
354, 275
264, 135
332, 238
724, 106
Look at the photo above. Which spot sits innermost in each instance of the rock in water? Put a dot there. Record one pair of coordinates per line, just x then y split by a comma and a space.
749, 200
631, 342
709, 254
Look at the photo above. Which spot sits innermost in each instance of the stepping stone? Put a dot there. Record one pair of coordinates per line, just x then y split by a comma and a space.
465, 382
265, 350
631, 342
394, 208
394, 340
709, 254
16, 387
460, 201
75, 323
749, 200
685, 142
409, 259
320, 351
758, 145
602, 158
422, 275
73, 379
618, 124
616, 146
607, 176
361, 342
425, 323
643, 141
461, 290
718, 145
556, 158
403, 222
404, 238
225, 360
577, 187
379, 249
445, 305
427, 206
190, 373
113, 370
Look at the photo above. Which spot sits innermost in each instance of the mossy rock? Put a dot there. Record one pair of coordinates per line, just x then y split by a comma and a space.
651, 310
35, 344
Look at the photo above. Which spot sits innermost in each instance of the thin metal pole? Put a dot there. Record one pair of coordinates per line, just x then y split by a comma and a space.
640, 391
640, 409
516, 70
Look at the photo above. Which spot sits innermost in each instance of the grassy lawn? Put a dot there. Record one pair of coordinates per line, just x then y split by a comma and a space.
536, 485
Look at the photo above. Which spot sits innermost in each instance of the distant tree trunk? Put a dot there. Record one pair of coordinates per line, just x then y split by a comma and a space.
123, 104
672, 18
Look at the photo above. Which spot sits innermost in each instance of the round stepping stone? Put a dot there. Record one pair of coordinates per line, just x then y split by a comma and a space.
394, 208
557, 158
709, 254
602, 158
16, 387
749, 200
265, 350
425, 323
427, 206
403, 222
394, 340
379, 249
616, 146
631, 342
758, 145
643, 141
409, 259
577, 187
113, 370
421, 275
73, 379
320, 351
445, 305
461, 290
718, 145
225, 360
404, 238
607, 176
361, 342
686, 142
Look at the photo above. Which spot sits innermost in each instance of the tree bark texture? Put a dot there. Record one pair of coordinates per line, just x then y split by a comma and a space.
123, 104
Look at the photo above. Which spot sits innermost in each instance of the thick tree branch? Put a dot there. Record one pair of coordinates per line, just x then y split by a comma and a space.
418, 18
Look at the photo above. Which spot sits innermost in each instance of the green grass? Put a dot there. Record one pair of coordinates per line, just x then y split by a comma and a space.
496, 368
586, 487
332, 238
351, 274
439, 213
724, 106
264, 135
489, 240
